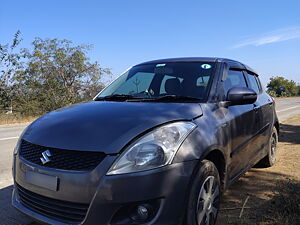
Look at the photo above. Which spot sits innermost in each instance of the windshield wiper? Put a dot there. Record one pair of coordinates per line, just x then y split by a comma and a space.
116, 97
173, 98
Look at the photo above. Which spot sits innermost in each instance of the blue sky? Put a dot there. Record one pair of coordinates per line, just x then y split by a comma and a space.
263, 34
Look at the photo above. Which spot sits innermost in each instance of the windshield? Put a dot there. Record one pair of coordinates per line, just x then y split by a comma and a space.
173, 80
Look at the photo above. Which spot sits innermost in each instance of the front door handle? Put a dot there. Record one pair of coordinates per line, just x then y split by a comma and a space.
224, 125
255, 107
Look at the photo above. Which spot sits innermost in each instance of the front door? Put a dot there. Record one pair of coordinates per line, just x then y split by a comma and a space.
241, 120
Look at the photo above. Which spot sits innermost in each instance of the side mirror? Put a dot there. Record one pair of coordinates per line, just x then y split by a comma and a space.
241, 96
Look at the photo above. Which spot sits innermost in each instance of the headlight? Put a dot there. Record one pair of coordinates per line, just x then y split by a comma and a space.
16, 149
155, 149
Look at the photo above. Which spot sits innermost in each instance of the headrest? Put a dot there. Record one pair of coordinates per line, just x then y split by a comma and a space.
172, 86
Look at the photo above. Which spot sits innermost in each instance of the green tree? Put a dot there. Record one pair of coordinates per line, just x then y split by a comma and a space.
57, 73
272, 93
10, 61
282, 86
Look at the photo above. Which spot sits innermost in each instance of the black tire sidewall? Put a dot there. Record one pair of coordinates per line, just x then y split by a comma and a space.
205, 169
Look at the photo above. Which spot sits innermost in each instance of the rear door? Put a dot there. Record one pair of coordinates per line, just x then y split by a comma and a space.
263, 109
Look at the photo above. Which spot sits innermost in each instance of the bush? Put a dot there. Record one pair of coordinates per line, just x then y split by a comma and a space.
272, 93
283, 87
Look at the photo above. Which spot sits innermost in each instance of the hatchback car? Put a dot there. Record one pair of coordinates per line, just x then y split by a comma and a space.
157, 146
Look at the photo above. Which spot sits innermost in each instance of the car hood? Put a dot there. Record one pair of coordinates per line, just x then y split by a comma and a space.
104, 126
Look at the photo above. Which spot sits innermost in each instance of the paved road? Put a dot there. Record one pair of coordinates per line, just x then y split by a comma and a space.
287, 108
8, 137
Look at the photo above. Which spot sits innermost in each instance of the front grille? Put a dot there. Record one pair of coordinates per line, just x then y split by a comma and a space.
66, 212
61, 158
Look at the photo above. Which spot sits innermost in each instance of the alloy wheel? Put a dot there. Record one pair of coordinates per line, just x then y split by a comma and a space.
208, 202
273, 147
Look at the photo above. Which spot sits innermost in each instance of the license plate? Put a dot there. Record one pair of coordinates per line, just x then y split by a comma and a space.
42, 180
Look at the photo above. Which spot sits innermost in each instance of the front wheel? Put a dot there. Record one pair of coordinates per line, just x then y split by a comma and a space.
204, 199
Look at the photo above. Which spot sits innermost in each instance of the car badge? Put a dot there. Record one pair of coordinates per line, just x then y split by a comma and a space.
45, 156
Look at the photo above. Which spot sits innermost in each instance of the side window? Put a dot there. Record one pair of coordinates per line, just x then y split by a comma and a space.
253, 83
259, 84
234, 79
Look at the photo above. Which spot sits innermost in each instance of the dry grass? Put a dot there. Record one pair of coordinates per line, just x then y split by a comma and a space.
279, 206
7, 119
279, 98
284, 207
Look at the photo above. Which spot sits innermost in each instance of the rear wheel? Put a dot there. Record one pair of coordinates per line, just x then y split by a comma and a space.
204, 199
270, 158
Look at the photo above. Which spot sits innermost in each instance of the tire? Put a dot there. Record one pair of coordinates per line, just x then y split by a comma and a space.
204, 197
270, 159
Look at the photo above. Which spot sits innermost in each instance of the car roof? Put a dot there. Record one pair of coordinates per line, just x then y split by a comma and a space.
232, 63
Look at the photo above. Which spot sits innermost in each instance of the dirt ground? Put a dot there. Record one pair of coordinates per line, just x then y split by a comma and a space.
273, 194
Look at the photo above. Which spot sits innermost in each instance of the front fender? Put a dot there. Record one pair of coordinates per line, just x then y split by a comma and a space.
204, 139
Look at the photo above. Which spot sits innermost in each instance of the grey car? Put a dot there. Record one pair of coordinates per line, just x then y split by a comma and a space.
157, 146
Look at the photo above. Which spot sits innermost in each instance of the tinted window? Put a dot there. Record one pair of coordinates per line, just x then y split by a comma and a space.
191, 79
163, 83
253, 83
234, 79
202, 81
135, 84
259, 84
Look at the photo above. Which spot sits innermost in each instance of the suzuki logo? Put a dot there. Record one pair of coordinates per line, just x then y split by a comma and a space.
46, 154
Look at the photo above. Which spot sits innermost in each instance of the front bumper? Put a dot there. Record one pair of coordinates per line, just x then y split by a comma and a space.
107, 195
